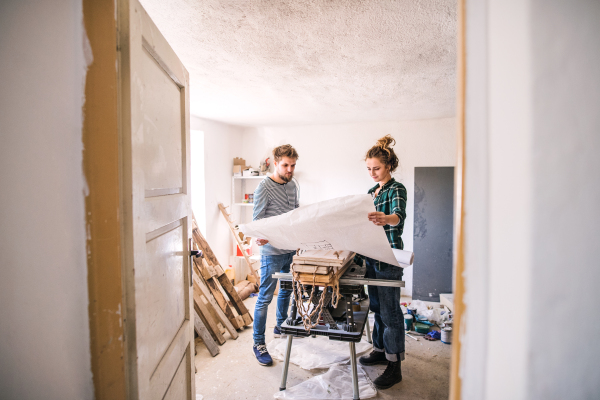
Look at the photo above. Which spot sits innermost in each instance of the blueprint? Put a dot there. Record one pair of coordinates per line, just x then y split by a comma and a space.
337, 224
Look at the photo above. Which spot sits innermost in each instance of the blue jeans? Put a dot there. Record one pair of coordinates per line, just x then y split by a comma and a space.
388, 332
268, 266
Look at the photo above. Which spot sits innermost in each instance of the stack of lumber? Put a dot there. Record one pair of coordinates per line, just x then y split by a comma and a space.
217, 305
324, 266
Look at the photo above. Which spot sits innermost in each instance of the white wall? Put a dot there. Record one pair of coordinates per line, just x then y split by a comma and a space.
565, 104
222, 142
331, 162
532, 193
44, 326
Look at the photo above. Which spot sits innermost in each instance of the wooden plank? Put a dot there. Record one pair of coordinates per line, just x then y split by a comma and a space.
204, 334
230, 290
237, 235
203, 244
210, 323
307, 279
222, 302
322, 255
247, 319
200, 285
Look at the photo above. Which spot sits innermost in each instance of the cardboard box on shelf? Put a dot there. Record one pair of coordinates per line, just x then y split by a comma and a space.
239, 165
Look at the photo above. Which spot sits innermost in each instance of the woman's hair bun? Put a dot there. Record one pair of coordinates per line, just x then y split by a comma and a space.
384, 152
386, 142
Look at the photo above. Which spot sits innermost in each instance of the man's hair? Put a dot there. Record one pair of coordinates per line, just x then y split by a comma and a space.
384, 152
285, 150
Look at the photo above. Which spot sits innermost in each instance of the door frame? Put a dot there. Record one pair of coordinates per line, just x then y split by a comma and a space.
101, 158
102, 165
459, 210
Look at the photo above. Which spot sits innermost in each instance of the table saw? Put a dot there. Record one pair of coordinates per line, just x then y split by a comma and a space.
341, 323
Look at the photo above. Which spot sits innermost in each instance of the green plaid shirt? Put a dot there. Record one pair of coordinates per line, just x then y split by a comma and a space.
391, 199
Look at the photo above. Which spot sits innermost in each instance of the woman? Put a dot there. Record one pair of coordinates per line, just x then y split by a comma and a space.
390, 203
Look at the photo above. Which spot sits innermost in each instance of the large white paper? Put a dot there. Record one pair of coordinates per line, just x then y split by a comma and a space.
337, 224
404, 258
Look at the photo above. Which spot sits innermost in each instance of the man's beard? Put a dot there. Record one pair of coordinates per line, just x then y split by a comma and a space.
286, 178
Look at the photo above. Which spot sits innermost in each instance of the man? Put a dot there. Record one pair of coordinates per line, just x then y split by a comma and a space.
275, 195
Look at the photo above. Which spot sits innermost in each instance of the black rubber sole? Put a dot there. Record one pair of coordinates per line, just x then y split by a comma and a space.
382, 387
367, 364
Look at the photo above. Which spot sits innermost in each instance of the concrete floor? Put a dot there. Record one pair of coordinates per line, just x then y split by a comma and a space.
235, 374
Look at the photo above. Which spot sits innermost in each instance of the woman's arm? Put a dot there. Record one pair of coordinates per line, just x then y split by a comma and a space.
381, 219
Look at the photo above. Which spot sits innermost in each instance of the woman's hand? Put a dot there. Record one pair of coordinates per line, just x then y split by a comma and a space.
261, 242
381, 219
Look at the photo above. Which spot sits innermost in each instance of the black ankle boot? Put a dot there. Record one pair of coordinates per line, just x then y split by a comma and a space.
376, 357
391, 376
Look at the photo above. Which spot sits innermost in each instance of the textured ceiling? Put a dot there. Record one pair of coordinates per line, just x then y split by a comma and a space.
269, 62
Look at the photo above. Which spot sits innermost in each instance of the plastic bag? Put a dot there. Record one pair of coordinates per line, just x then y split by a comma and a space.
336, 383
319, 352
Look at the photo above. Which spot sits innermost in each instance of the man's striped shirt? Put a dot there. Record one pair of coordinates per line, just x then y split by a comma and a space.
271, 199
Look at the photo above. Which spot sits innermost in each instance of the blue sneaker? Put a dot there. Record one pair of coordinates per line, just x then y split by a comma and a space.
262, 355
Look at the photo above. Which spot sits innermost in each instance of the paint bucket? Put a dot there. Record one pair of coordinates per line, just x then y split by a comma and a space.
447, 335
408, 322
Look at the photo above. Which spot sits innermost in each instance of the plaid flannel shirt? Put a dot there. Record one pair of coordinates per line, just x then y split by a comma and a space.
391, 199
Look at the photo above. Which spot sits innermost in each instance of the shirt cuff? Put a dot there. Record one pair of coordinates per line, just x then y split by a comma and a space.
399, 220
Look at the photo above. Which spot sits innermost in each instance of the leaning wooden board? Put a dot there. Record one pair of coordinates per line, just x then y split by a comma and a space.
221, 288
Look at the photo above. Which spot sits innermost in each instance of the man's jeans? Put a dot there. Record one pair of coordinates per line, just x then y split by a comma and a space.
268, 266
388, 332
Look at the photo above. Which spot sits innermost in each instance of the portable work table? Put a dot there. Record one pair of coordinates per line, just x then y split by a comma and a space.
347, 327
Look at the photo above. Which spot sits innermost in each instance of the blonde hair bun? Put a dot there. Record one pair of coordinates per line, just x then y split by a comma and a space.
384, 152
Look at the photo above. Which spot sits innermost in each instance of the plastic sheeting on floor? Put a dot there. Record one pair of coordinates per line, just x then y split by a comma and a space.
319, 352
336, 383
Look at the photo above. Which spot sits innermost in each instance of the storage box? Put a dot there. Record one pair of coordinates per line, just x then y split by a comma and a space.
239, 165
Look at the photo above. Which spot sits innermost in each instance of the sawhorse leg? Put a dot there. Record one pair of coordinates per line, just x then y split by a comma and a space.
355, 393
286, 363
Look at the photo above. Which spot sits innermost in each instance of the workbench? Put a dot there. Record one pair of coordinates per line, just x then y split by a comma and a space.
347, 326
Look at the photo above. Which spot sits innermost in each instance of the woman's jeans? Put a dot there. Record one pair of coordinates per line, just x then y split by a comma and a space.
268, 266
388, 332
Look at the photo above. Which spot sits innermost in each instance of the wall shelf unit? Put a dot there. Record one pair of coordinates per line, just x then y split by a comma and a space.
241, 185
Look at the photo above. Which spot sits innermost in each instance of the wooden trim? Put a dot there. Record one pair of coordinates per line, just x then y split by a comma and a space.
459, 284
101, 168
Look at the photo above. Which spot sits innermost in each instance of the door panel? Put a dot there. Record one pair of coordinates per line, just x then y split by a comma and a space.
163, 297
178, 386
156, 210
162, 133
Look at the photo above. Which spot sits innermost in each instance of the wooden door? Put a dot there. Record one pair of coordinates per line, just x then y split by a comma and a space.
154, 116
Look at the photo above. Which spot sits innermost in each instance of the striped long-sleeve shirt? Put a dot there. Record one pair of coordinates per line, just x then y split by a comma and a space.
271, 199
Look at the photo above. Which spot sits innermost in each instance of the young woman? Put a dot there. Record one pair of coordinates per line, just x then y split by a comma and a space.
390, 203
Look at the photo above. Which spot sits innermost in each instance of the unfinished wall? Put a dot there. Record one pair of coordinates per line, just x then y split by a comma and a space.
222, 142
566, 196
331, 158
44, 331
532, 146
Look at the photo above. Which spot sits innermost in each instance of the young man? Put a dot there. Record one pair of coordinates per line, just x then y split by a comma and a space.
275, 195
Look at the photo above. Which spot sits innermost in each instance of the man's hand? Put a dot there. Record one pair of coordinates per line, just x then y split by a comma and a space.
261, 242
381, 219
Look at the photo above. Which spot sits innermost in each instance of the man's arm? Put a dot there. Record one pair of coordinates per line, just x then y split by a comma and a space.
261, 201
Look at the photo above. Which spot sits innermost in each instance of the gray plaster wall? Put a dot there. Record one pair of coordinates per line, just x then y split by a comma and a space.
44, 334
433, 230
